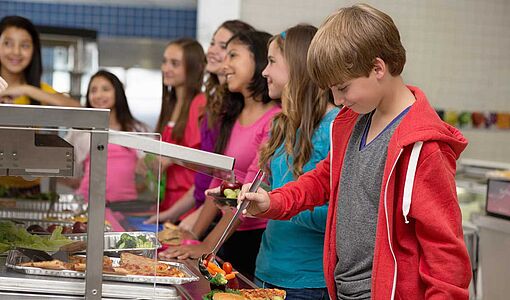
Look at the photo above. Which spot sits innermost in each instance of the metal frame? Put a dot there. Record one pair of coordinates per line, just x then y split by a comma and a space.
85, 118
96, 122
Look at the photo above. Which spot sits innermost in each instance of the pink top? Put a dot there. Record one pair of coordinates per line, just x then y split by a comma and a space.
178, 178
120, 174
243, 145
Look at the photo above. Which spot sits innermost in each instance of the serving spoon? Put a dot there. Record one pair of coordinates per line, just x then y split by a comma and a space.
211, 257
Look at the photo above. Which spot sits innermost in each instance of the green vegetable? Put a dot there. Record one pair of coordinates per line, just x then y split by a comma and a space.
128, 241
219, 279
12, 236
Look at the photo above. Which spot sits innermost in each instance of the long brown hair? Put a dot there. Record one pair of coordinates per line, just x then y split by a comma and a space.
305, 103
215, 91
194, 65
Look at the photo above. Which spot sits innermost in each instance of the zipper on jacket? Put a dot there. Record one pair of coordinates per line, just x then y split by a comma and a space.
388, 226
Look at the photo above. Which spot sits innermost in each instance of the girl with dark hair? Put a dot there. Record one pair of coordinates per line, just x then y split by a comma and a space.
107, 92
21, 68
21, 65
182, 106
209, 124
290, 255
246, 114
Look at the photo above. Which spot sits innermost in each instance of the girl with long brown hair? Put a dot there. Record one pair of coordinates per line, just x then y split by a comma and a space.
215, 89
290, 255
181, 108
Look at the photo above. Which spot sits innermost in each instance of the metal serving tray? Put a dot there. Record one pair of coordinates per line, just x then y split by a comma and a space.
35, 215
65, 203
111, 239
14, 258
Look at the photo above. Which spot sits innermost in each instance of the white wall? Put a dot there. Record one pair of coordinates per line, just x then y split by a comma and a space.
210, 15
458, 51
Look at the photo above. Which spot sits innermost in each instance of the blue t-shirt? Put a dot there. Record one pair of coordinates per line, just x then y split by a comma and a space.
290, 253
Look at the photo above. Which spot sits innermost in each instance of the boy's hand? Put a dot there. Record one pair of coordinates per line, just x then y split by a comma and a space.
259, 201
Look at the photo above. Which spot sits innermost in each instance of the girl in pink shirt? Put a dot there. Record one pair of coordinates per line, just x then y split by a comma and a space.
246, 117
182, 107
106, 91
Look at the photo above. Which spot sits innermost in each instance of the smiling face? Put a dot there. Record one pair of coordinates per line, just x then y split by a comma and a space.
174, 71
101, 93
16, 50
217, 51
239, 68
276, 71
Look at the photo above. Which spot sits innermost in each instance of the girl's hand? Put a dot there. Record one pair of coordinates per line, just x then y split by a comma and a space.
152, 220
3, 84
13, 92
185, 252
259, 201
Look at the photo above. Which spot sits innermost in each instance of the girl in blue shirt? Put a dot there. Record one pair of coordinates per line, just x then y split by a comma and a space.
290, 255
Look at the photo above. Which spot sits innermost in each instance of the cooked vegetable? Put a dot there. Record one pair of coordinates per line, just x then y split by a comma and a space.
230, 276
215, 268
227, 267
128, 241
219, 279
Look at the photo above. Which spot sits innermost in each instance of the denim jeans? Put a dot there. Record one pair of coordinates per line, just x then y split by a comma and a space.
297, 294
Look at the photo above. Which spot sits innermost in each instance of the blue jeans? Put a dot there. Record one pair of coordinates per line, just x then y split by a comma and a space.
297, 294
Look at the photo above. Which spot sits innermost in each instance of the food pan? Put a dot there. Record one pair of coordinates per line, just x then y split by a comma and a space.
111, 239
15, 258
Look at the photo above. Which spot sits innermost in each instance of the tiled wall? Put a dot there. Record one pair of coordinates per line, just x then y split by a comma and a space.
457, 52
108, 20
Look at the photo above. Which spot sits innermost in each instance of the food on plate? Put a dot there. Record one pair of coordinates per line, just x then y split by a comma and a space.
79, 227
263, 294
12, 236
140, 265
128, 241
36, 229
230, 189
222, 278
130, 264
170, 235
246, 294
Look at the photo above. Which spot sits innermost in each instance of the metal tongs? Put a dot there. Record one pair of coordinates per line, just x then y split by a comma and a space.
211, 257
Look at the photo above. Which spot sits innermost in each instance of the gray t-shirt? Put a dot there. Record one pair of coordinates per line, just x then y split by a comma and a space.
358, 205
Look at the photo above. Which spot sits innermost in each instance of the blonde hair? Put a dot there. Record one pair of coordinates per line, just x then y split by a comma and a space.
305, 103
348, 42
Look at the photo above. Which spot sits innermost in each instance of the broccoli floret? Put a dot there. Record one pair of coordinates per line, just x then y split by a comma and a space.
219, 279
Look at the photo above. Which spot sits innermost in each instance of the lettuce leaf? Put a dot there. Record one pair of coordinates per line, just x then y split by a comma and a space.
12, 236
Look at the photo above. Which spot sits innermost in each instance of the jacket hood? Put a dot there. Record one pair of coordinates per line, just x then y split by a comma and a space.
423, 124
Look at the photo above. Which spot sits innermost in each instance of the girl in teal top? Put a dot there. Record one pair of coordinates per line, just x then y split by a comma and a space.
290, 255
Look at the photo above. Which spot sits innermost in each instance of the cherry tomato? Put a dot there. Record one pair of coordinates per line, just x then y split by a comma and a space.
227, 267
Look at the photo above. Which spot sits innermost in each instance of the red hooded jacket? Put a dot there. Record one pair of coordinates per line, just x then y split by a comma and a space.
419, 248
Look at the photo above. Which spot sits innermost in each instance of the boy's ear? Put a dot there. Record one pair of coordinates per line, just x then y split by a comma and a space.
380, 68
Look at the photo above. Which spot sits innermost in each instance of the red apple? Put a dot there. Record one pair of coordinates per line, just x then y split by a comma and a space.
230, 185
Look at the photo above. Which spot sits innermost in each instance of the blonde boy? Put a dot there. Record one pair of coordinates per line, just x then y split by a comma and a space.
394, 228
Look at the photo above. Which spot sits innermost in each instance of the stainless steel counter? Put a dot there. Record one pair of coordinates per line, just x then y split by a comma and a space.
14, 285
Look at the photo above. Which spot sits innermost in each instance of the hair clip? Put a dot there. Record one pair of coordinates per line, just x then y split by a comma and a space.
283, 34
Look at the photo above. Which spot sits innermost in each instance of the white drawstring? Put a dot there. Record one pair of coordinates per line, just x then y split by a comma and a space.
411, 172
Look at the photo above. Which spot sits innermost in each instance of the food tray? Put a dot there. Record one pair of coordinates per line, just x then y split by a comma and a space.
111, 239
223, 201
65, 203
15, 258
35, 215
25, 223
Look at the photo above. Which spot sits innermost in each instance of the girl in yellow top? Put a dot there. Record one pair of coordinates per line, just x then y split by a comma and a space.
21, 66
